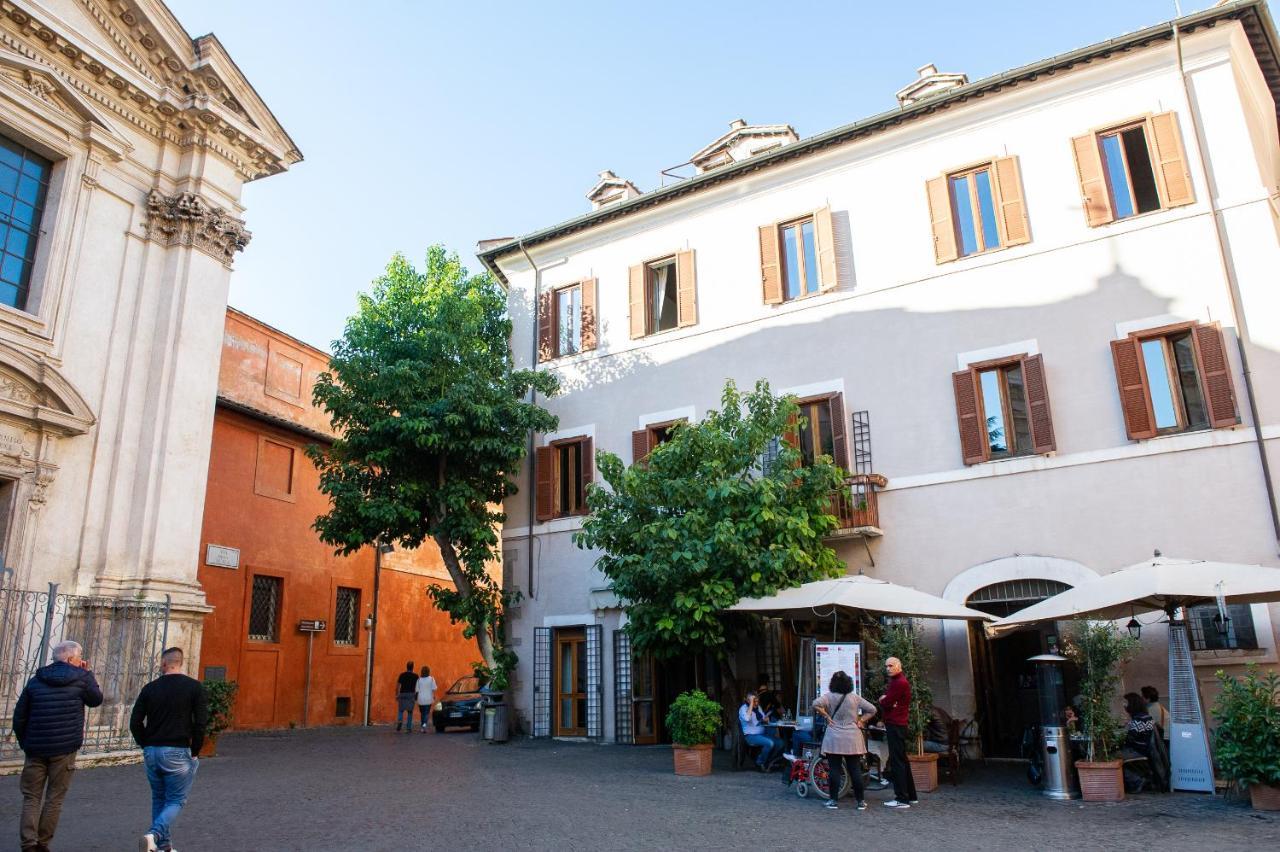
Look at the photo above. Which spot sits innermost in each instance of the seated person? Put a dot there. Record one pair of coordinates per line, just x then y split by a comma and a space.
937, 736
752, 719
1156, 710
1071, 719
1137, 734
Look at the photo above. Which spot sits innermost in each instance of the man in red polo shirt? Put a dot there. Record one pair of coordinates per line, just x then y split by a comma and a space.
895, 706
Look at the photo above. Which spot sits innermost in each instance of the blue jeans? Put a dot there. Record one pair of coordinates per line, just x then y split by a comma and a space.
170, 770
405, 703
770, 748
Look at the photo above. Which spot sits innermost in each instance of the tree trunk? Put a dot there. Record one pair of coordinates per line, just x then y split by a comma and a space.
463, 584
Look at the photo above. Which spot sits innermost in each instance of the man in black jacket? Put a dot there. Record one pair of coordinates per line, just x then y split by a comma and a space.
49, 724
168, 721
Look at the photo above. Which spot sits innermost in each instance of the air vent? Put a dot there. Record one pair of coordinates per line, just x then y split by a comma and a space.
343, 709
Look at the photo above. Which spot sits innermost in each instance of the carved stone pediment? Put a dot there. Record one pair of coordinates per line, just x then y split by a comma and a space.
186, 219
35, 394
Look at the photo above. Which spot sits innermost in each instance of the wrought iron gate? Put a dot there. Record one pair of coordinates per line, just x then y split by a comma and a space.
122, 640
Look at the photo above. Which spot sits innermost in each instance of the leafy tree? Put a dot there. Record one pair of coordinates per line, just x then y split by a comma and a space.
703, 521
1101, 651
432, 420
905, 640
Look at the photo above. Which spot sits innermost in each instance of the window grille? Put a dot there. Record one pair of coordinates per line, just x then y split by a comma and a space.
1001, 599
1204, 631
769, 654
24, 182
595, 681
345, 616
264, 609
623, 734
862, 442
542, 681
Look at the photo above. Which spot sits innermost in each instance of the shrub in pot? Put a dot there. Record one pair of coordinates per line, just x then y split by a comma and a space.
1100, 650
693, 721
1247, 740
221, 698
905, 641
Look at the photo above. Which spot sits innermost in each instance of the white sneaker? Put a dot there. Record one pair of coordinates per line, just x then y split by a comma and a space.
789, 756
894, 803
147, 843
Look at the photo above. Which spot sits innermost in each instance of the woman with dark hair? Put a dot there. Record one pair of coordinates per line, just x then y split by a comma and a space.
844, 740
1137, 734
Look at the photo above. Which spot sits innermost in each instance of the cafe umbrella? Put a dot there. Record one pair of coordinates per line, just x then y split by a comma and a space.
826, 598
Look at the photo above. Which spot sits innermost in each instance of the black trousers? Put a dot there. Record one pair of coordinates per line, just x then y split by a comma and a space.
836, 767
904, 786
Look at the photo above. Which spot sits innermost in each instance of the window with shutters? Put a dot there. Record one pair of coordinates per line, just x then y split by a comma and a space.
661, 297
567, 320
819, 431
1126, 160
977, 209
973, 204
1004, 402
663, 294
563, 470
568, 309
346, 616
646, 440
1002, 409
799, 245
1131, 168
798, 258
264, 608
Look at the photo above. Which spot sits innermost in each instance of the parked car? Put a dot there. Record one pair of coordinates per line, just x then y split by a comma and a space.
460, 706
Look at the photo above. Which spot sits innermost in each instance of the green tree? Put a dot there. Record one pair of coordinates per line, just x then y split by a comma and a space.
432, 420
905, 640
703, 522
1101, 651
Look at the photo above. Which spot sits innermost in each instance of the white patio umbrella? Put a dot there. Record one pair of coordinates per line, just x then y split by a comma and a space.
821, 597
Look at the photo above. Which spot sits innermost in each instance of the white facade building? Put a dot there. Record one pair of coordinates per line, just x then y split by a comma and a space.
1036, 288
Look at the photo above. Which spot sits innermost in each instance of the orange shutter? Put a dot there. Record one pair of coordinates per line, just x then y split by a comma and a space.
546, 326
1013, 209
1093, 181
973, 432
825, 232
544, 483
589, 323
637, 301
639, 445
944, 229
1038, 404
686, 290
1169, 160
839, 441
770, 271
791, 437
587, 469
1135, 399
1215, 375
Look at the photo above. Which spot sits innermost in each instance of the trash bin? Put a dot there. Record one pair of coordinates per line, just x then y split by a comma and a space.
494, 724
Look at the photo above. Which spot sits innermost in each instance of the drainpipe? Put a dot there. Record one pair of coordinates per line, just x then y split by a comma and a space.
1233, 292
373, 630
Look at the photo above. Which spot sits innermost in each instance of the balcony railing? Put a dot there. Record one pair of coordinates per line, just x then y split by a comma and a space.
855, 507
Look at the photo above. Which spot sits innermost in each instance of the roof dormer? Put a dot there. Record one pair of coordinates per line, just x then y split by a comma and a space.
610, 189
742, 142
930, 82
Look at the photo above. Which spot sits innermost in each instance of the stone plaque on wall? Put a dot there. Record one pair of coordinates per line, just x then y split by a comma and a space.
222, 557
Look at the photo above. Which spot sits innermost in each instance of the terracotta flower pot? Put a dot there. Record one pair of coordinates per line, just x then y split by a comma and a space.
1265, 797
1101, 781
924, 771
692, 760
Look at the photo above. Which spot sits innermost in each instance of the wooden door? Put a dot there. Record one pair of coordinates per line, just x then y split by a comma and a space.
571, 683
644, 706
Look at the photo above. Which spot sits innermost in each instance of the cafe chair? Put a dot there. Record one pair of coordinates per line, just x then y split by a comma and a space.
949, 760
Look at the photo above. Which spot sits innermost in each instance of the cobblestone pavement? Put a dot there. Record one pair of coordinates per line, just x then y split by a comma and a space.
373, 789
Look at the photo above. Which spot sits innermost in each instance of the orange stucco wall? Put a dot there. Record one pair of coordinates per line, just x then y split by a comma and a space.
268, 519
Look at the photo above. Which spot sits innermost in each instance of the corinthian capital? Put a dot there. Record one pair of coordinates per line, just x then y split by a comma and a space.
186, 219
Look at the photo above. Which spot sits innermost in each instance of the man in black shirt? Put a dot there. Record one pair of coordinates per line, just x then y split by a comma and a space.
406, 689
168, 721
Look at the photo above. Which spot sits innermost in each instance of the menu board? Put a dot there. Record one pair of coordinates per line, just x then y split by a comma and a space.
833, 657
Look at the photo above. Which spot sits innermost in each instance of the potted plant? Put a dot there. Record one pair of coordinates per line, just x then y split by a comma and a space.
221, 698
1099, 649
905, 641
693, 721
1247, 741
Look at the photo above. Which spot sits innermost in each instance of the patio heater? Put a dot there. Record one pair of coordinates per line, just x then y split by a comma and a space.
1055, 740
1189, 761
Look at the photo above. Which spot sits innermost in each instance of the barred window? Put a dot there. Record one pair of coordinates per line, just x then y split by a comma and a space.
24, 182
345, 616
1206, 633
264, 609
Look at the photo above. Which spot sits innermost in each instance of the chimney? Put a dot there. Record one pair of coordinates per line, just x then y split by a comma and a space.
609, 189
741, 142
929, 82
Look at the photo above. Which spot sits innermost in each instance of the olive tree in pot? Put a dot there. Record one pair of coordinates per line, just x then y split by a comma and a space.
905, 640
221, 698
693, 721
1100, 650
1247, 741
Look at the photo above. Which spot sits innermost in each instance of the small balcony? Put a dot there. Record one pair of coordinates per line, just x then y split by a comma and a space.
854, 505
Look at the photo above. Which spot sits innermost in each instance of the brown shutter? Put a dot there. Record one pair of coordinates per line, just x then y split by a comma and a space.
944, 229
1215, 375
544, 479
546, 326
1093, 181
825, 233
1038, 412
770, 271
1013, 209
1135, 398
639, 445
587, 470
637, 301
1169, 160
839, 442
589, 323
791, 437
686, 290
973, 432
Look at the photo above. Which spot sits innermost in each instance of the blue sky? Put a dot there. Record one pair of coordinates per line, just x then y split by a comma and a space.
425, 122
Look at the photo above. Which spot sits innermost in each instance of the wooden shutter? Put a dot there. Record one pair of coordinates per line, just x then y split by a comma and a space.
686, 290
544, 483
639, 445
637, 301
1169, 160
839, 440
791, 437
1093, 181
770, 270
973, 431
825, 233
1215, 375
546, 326
589, 322
1135, 398
1012, 207
944, 229
1038, 413
586, 469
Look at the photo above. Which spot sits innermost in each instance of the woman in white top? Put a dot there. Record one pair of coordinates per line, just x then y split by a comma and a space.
426, 690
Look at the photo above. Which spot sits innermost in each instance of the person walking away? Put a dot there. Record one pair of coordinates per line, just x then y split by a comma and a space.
895, 705
844, 742
406, 688
1156, 710
426, 691
168, 721
48, 722
751, 717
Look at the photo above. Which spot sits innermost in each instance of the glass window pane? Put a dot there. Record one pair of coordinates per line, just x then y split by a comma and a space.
1113, 163
8, 179
1189, 382
29, 189
1158, 381
810, 257
809, 417
993, 403
826, 443
581, 685
23, 214
9, 294
10, 153
1145, 194
565, 474
11, 269
575, 454
1019, 412
17, 242
791, 261
962, 207
568, 320
987, 208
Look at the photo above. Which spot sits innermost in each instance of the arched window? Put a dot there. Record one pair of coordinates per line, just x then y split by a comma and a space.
1002, 599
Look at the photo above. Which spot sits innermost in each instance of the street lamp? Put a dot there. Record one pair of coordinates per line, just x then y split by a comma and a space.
1134, 627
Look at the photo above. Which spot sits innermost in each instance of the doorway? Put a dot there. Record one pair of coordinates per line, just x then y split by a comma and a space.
644, 704
571, 683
